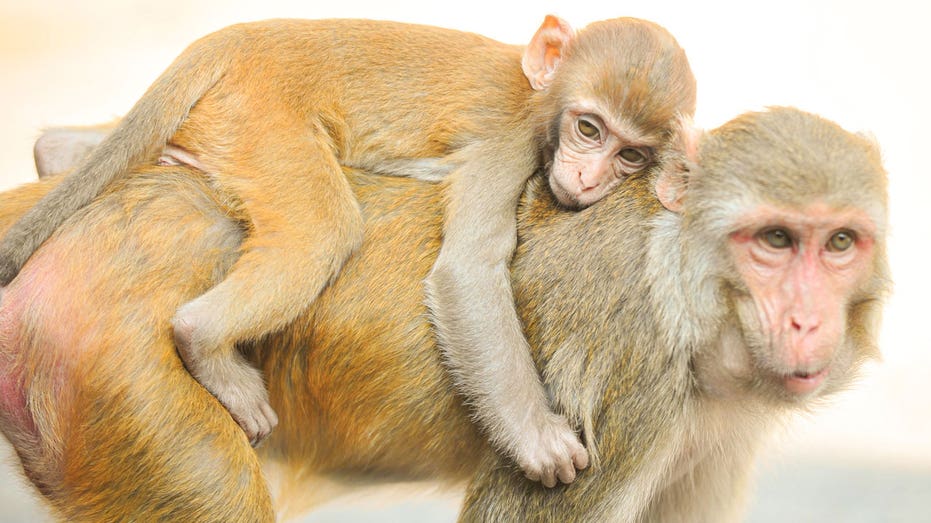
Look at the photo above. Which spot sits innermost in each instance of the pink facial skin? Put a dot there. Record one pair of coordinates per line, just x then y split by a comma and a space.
593, 157
800, 267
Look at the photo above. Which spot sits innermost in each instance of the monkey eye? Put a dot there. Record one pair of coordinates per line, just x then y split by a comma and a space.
777, 238
633, 156
840, 241
588, 129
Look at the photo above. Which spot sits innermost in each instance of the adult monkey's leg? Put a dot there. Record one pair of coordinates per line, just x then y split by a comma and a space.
107, 422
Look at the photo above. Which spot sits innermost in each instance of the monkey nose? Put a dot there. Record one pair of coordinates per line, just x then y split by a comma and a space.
587, 182
804, 326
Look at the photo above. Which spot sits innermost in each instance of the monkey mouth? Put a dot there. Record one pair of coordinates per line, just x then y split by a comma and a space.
804, 382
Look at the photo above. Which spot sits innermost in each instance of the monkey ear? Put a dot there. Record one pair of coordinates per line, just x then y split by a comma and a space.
678, 164
545, 50
671, 185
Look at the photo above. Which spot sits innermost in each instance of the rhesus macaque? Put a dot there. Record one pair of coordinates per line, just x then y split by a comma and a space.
741, 282
271, 110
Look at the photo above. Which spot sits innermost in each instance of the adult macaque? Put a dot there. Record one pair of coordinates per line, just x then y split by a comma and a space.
750, 288
271, 110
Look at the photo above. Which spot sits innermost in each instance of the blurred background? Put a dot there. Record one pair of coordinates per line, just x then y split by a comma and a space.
864, 457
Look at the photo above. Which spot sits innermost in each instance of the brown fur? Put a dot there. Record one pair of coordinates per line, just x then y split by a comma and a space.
88, 387
357, 379
272, 109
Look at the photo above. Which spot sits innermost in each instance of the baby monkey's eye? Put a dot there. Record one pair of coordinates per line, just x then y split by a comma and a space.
633, 156
588, 129
840, 241
777, 238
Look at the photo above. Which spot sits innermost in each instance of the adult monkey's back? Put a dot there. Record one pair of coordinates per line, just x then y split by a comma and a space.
272, 109
657, 347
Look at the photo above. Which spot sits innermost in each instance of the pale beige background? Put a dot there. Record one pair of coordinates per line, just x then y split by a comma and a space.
867, 455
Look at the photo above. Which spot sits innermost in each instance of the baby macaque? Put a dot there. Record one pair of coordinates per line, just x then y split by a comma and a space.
272, 110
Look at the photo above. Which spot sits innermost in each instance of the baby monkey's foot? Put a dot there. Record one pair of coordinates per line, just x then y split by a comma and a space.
243, 393
226, 375
551, 452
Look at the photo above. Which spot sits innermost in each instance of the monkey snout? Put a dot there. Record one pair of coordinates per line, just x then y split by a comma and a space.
806, 357
587, 181
808, 341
